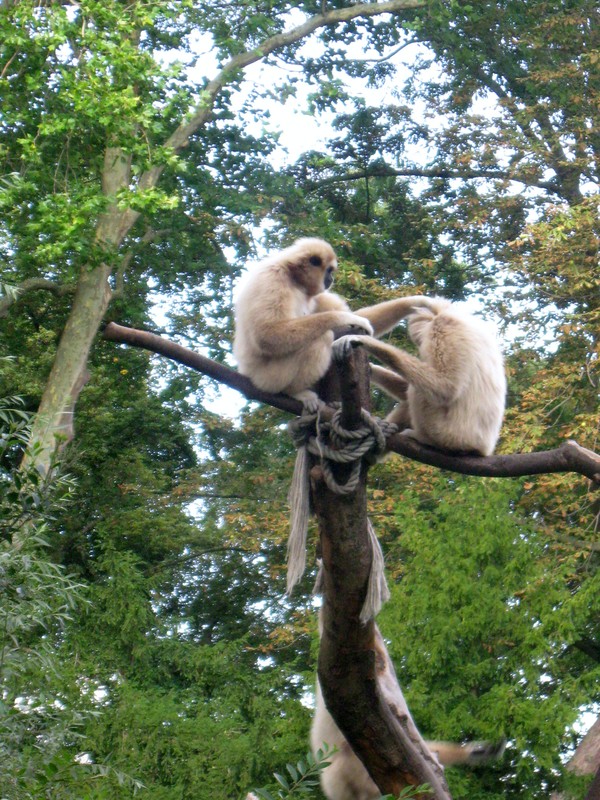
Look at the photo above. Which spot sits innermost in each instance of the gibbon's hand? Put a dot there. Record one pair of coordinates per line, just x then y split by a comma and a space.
343, 346
350, 320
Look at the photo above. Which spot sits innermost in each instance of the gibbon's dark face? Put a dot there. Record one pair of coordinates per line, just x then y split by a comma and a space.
314, 269
328, 277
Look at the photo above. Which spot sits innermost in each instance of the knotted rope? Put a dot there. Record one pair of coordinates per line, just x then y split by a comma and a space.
334, 444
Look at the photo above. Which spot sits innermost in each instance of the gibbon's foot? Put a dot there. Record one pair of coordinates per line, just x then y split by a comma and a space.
343, 346
311, 402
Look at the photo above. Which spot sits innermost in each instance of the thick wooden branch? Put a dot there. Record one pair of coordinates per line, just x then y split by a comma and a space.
182, 355
356, 674
569, 457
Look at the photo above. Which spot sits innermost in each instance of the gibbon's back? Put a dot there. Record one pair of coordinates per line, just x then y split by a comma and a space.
465, 350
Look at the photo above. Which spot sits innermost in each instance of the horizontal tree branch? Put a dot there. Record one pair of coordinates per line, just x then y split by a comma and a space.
182, 355
435, 172
31, 285
569, 457
199, 116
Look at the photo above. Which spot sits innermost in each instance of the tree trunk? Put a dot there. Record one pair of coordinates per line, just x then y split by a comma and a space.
586, 759
53, 425
356, 674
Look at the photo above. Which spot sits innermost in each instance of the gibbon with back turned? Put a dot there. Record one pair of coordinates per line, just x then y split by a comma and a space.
452, 396
285, 318
346, 778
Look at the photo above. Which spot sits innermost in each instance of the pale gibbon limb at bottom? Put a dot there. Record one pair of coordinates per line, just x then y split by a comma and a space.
346, 778
452, 396
285, 318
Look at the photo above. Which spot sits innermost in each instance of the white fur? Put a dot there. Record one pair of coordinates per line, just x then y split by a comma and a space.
285, 319
456, 388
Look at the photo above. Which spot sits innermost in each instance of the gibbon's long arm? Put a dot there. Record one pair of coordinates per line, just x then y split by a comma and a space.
389, 381
385, 316
442, 389
286, 337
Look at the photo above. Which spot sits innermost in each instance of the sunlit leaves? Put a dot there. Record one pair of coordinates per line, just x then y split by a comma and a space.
559, 255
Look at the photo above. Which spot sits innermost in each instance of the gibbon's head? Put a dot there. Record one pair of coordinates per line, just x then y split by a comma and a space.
311, 264
420, 319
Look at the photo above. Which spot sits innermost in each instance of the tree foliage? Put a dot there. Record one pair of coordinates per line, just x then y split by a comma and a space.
139, 170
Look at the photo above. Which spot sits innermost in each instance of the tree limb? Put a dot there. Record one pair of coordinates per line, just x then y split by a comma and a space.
201, 114
31, 285
435, 172
567, 173
356, 674
569, 457
182, 355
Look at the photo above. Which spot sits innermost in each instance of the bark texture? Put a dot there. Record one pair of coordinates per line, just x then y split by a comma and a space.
355, 672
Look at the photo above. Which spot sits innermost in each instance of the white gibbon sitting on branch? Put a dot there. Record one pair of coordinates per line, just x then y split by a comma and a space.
285, 318
452, 396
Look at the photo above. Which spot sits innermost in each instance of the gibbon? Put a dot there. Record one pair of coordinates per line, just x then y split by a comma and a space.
346, 778
285, 318
452, 396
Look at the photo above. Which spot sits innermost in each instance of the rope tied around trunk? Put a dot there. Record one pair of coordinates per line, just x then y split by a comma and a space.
333, 444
